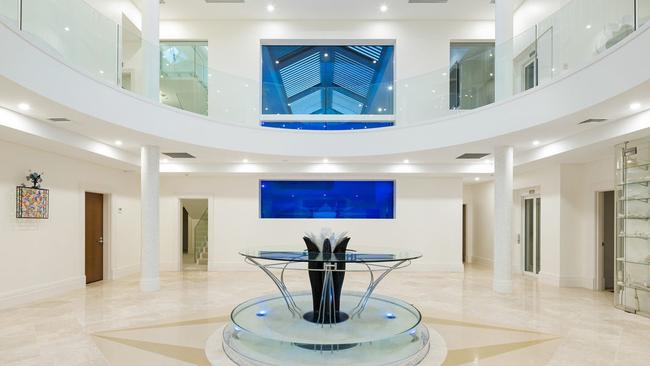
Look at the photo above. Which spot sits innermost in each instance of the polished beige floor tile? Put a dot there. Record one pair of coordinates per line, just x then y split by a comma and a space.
113, 323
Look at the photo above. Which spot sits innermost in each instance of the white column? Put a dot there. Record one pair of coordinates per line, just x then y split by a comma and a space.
150, 219
150, 48
504, 12
503, 176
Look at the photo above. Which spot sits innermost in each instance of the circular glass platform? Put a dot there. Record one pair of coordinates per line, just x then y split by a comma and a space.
387, 332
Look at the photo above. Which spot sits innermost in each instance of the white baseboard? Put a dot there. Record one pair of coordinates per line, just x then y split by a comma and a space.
169, 266
580, 282
39, 292
125, 271
435, 267
549, 278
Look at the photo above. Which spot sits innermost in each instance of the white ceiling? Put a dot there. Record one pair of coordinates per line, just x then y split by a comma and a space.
330, 9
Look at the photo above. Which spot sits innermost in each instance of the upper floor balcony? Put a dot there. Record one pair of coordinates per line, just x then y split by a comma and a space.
322, 84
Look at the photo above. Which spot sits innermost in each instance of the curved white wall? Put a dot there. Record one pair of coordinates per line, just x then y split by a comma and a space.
617, 71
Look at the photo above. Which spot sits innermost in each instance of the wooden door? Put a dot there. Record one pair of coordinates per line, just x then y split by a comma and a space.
94, 237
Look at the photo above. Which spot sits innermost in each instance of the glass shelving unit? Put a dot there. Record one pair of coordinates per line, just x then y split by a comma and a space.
633, 227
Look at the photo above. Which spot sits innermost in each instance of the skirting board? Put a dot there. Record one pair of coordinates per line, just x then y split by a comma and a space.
125, 271
580, 282
34, 293
135, 269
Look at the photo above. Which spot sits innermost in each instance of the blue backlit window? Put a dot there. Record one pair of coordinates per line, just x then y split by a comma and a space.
326, 126
349, 80
341, 199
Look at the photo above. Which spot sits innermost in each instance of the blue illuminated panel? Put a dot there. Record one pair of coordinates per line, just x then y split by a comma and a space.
326, 126
340, 199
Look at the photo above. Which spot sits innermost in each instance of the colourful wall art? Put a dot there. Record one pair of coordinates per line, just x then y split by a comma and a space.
32, 203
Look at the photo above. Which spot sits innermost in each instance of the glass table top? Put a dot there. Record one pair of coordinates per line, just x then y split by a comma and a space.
354, 255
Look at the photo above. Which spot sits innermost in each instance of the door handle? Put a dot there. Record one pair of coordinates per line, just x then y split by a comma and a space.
101, 240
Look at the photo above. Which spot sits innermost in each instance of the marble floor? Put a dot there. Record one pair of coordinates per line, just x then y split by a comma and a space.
113, 323
189, 264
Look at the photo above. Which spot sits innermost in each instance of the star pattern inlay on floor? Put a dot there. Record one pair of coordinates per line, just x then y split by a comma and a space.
184, 342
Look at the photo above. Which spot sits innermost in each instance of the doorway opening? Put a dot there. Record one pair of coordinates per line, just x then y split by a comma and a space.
605, 241
194, 234
94, 237
531, 219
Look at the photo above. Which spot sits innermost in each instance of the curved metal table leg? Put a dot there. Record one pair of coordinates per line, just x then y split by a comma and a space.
293, 307
358, 309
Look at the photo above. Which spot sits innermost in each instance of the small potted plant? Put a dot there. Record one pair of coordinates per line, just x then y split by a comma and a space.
36, 178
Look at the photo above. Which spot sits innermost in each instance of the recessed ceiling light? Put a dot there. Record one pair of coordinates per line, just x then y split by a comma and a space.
270, 8
118, 142
67, 29
101, 72
477, 179
406, 161
24, 106
536, 143
277, 62
634, 106
390, 87
383, 8
588, 26
326, 161
164, 161
245, 161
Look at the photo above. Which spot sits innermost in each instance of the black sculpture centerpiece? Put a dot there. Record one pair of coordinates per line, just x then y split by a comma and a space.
326, 280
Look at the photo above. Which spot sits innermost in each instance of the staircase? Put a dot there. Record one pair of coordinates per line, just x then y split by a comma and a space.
201, 240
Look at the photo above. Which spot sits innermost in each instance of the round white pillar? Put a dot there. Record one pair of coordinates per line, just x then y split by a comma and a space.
151, 48
150, 218
503, 65
503, 177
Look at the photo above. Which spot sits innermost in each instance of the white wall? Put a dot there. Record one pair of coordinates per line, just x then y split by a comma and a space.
428, 219
234, 46
43, 257
568, 219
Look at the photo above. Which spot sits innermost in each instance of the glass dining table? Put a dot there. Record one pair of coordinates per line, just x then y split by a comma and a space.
326, 325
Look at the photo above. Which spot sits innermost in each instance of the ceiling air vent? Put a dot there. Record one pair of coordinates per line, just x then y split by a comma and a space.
593, 120
475, 156
428, 1
179, 155
58, 119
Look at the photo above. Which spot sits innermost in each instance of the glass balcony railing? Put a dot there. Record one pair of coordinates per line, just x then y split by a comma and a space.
562, 43
9, 12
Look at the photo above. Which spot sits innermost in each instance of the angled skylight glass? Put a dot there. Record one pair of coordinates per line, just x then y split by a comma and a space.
344, 80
